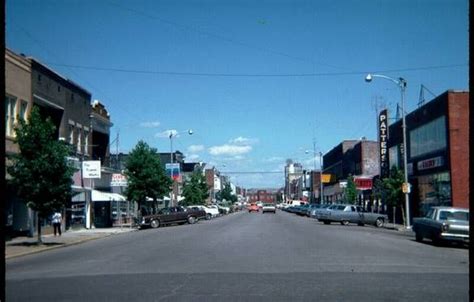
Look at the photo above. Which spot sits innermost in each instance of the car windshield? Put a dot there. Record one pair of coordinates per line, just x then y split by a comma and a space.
454, 215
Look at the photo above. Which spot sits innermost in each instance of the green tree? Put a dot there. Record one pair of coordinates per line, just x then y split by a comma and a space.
146, 177
226, 193
40, 171
195, 190
351, 190
392, 189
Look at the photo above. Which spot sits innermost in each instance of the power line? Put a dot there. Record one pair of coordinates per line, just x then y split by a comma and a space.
205, 74
217, 36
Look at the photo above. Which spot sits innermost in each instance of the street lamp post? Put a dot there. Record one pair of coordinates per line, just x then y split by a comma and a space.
402, 84
321, 176
171, 135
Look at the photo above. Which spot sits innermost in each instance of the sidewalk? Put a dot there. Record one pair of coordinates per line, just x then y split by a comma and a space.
21, 246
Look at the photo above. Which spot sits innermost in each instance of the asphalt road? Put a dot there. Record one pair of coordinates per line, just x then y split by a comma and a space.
245, 257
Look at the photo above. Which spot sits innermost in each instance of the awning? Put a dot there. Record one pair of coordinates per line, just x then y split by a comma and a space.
99, 196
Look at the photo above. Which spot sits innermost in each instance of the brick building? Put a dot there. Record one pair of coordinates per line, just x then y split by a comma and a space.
359, 158
438, 152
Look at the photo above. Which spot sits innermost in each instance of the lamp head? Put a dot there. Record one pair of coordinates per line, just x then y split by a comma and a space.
368, 78
190, 132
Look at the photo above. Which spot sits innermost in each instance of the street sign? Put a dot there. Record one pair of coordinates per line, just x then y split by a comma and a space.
91, 169
406, 187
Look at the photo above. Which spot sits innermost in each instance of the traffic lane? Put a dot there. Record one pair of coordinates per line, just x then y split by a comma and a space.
126, 252
243, 287
246, 243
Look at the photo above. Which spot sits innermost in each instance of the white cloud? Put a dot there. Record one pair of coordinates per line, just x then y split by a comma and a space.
274, 159
155, 124
234, 158
229, 150
243, 141
192, 157
167, 133
195, 148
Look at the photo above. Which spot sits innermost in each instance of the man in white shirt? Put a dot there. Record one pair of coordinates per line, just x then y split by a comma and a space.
57, 218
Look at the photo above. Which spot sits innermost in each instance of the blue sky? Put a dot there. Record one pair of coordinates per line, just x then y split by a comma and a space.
257, 81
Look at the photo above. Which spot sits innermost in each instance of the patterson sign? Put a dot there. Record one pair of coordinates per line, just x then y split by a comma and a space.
383, 139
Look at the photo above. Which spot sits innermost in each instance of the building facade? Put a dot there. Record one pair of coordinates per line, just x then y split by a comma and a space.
437, 152
358, 158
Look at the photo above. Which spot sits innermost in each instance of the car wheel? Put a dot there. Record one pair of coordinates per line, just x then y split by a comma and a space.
208, 216
418, 237
191, 220
155, 223
379, 222
345, 222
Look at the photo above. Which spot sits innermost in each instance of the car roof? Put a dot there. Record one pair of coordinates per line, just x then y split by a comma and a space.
451, 208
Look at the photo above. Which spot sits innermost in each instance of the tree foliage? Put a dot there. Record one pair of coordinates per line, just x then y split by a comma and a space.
392, 187
195, 190
351, 190
226, 194
146, 177
40, 171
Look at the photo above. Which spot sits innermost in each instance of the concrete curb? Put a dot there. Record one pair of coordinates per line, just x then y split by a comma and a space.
79, 241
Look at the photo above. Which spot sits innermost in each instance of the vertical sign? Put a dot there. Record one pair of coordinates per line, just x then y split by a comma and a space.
173, 171
383, 139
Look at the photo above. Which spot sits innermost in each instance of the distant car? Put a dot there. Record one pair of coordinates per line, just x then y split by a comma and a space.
301, 210
260, 204
268, 207
210, 212
443, 224
315, 208
223, 210
253, 208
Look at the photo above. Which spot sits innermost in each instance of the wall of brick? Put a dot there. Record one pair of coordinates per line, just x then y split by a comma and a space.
458, 125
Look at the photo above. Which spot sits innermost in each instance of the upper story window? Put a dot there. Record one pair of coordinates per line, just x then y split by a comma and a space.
79, 141
71, 135
10, 115
428, 138
23, 110
86, 142
393, 156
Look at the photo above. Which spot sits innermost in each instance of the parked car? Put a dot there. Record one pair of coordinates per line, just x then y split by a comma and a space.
268, 207
443, 224
317, 208
223, 210
320, 211
253, 208
346, 214
301, 210
210, 212
172, 215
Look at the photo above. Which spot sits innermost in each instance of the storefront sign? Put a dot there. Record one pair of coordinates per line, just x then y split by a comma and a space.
363, 183
383, 139
91, 169
430, 163
326, 178
118, 180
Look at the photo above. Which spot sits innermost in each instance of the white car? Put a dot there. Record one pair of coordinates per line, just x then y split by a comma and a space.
225, 210
211, 211
268, 207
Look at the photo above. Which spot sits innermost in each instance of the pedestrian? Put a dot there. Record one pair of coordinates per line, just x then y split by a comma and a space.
57, 219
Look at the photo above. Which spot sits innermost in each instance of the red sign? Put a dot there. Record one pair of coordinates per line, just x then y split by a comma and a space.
363, 183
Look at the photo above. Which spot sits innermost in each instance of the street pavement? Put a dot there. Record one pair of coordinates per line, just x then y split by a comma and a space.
245, 257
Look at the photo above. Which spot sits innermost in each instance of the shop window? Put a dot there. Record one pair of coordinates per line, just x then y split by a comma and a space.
428, 138
434, 190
